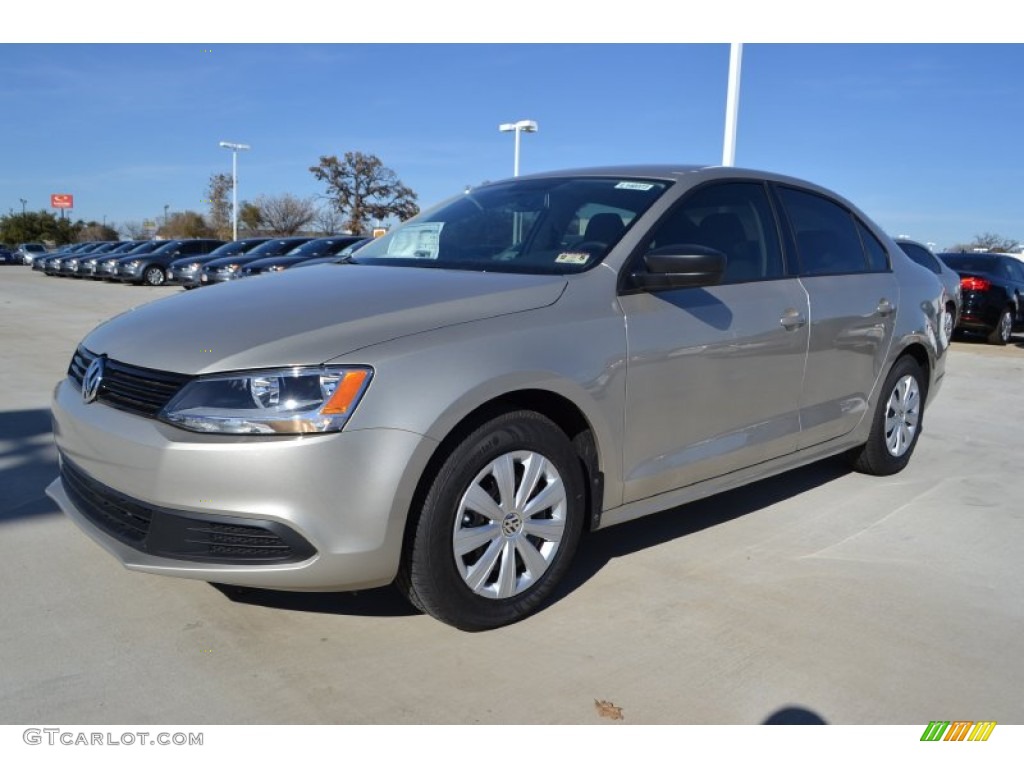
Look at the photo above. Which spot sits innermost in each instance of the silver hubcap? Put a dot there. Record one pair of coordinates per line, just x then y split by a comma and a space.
902, 416
1006, 326
947, 325
509, 524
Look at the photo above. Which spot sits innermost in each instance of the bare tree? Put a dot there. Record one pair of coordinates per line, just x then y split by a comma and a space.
363, 189
328, 219
218, 198
989, 241
285, 214
135, 230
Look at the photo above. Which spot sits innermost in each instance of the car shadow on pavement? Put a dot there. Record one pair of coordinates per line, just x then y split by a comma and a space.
598, 548
28, 463
380, 602
794, 716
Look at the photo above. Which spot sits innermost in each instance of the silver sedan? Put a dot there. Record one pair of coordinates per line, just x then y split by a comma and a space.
453, 408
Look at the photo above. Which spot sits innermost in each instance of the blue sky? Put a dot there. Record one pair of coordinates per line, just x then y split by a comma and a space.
925, 138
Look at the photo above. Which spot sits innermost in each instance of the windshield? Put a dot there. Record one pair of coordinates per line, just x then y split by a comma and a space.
230, 249
971, 263
274, 247
539, 226
146, 247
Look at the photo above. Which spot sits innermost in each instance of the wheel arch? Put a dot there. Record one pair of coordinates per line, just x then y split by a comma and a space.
919, 353
562, 411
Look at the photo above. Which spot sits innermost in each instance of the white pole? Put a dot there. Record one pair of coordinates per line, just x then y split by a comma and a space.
732, 104
515, 162
234, 194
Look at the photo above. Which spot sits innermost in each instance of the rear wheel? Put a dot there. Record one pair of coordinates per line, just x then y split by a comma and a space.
1003, 331
499, 524
896, 424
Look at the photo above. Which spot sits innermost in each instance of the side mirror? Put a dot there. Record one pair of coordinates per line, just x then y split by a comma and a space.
680, 266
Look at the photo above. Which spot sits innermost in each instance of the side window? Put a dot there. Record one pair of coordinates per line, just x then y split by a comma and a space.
734, 218
878, 259
1016, 269
921, 256
826, 236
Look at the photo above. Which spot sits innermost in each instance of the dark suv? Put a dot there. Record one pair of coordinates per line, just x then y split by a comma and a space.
992, 285
151, 268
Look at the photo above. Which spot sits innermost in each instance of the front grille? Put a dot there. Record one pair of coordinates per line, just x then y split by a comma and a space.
181, 535
143, 391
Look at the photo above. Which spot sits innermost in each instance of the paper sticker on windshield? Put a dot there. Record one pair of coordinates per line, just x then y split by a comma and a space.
572, 258
417, 241
638, 185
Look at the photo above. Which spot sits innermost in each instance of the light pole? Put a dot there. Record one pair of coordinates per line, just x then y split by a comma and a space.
235, 149
523, 126
732, 105
23, 203
168, 205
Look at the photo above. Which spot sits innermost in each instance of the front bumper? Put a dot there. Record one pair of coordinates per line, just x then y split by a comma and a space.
212, 278
186, 277
346, 494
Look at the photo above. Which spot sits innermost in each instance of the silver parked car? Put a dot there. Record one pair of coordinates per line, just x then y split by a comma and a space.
452, 408
952, 296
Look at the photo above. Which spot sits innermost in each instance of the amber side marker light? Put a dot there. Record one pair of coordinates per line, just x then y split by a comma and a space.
346, 393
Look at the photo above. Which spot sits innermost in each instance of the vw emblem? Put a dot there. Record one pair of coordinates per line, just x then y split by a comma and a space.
93, 379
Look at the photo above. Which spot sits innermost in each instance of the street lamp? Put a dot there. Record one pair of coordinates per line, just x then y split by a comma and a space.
23, 203
235, 149
523, 126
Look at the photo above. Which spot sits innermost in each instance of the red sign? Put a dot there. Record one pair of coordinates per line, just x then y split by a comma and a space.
62, 201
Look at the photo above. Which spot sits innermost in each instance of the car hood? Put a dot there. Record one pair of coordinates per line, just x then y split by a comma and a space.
309, 316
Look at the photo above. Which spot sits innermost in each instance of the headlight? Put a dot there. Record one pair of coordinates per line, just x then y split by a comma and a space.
276, 268
133, 263
230, 268
273, 402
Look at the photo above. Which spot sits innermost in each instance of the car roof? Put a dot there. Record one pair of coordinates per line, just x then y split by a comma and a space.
677, 172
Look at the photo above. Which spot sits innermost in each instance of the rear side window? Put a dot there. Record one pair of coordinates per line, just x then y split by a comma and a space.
827, 237
920, 255
1016, 269
878, 259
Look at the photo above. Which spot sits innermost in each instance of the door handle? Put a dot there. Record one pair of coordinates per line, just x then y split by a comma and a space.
792, 319
885, 307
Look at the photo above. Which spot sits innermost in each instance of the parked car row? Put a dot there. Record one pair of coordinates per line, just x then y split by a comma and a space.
190, 263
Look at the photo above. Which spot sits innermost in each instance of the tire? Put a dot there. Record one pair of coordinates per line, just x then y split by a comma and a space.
484, 551
153, 276
1003, 331
897, 422
948, 324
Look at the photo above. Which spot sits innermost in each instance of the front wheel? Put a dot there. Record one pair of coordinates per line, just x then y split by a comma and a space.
896, 424
498, 526
153, 276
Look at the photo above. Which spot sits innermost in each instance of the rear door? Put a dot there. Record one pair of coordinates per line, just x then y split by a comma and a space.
854, 297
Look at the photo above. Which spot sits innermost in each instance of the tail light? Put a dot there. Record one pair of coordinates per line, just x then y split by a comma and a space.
975, 284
